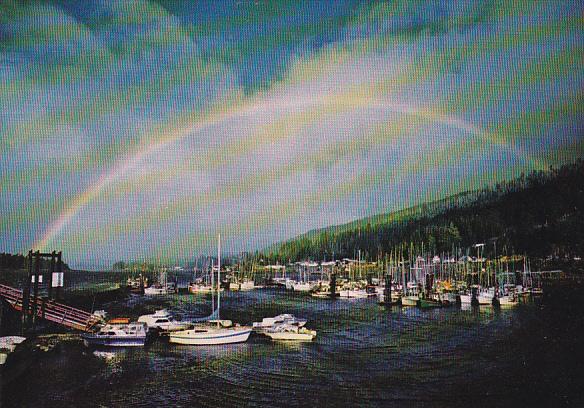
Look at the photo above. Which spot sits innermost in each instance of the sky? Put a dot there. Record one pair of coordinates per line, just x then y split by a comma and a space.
141, 130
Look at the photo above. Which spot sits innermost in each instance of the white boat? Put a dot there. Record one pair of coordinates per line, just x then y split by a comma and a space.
507, 300
270, 322
302, 286
243, 286
160, 289
284, 332
117, 335
410, 300
164, 321
213, 332
201, 288
483, 298
156, 290
7, 345
247, 285
354, 294
411, 296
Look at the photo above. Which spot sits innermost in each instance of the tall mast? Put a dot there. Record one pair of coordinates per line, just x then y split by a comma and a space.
218, 275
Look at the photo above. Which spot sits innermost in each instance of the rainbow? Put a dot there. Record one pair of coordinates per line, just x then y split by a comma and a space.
165, 138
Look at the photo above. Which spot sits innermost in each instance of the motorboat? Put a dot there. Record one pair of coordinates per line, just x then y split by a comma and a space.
160, 289
427, 303
355, 294
118, 335
200, 288
299, 286
164, 321
507, 300
7, 346
286, 332
247, 285
270, 322
214, 332
411, 296
411, 300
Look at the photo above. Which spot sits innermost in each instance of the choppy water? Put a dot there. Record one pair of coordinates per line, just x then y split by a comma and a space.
364, 355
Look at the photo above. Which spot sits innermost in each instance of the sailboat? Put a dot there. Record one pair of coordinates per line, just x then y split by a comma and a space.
213, 331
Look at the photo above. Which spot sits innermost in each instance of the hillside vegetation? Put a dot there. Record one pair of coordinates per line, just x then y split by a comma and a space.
539, 215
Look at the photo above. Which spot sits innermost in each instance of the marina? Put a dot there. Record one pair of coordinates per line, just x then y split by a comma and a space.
260, 203
359, 345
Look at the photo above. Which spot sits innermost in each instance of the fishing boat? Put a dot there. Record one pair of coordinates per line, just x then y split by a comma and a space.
117, 335
270, 322
215, 331
285, 332
353, 294
164, 321
298, 286
427, 303
247, 285
162, 288
201, 288
411, 295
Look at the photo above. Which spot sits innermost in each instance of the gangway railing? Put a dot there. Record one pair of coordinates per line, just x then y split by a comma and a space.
50, 310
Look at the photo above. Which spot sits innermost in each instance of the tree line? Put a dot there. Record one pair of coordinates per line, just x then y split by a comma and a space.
539, 215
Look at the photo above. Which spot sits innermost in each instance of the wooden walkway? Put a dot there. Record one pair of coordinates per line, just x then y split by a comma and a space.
50, 310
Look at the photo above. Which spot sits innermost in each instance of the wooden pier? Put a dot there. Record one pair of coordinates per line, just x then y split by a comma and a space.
50, 310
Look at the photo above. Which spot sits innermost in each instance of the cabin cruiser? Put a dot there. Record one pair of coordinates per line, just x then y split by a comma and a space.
164, 321
160, 290
355, 294
483, 297
114, 334
270, 322
411, 296
299, 286
213, 332
286, 332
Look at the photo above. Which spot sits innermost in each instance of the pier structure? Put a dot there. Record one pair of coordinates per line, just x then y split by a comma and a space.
50, 310
34, 306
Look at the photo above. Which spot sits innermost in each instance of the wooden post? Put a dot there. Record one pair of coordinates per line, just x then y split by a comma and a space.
333, 284
52, 271
1, 315
35, 296
60, 270
26, 293
387, 290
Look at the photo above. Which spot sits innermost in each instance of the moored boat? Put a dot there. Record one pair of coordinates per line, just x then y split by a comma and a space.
286, 332
426, 303
211, 333
270, 322
409, 300
164, 321
117, 335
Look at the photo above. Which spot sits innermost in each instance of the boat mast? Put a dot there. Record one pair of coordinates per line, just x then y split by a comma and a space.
218, 275
212, 287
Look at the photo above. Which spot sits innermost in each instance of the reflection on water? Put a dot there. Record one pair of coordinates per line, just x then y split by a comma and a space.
364, 354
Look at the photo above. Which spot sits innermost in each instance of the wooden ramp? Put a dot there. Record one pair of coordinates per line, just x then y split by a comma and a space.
50, 310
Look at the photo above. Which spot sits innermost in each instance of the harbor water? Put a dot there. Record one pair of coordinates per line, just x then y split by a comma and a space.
364, 355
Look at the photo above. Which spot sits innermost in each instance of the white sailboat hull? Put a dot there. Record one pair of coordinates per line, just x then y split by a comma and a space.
211, 337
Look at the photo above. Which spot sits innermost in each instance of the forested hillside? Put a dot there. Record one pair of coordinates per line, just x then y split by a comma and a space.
539, 215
